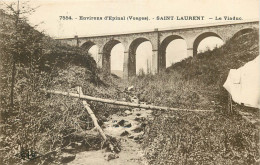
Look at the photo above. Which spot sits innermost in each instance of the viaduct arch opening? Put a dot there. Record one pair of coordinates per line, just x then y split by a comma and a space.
107, 50
242, 32
87, 45
140, 50
117, 60
92, 49
207, 39
144, 58
173, 49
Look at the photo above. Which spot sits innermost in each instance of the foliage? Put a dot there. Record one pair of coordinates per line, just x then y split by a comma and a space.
197, 82
37, 121
196, 138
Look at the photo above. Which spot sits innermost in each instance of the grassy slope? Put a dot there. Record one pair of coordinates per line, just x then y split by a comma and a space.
57, 120
209, 138
197, 82
189, 138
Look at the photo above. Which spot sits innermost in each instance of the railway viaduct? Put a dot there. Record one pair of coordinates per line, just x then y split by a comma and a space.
159, 39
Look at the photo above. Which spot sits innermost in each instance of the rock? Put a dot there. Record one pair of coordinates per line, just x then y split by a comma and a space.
135, 100
68, 149
131, 136
66, 157
139, 119
74, 145
110, 156
114, 121
131, 88
124, 123
143, 124
100, 122
106, 114
138, 114
128, 112
138, 129
136, 109
148, 111
115, 125
138, 137
121, 122
128, 125
124, 133
104, 119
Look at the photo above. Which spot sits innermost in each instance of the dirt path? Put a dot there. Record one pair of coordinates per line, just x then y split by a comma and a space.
128, 127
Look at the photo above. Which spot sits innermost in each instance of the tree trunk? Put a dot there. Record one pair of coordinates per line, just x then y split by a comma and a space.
12, 83
152, 107
95, 121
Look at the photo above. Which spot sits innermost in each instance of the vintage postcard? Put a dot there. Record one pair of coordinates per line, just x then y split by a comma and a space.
129, 82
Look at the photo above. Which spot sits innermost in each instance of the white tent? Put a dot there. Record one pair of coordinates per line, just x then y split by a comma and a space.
244, 84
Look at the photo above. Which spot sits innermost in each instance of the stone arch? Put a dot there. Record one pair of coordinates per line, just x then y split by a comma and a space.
132, 54
162, 49
243, 31
202, 36
106, 57
87, 45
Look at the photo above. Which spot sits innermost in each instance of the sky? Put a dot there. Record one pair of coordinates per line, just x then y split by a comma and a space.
47, 17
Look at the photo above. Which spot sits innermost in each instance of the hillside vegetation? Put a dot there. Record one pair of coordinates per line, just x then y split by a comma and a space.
31, 119
200, 138
197, 82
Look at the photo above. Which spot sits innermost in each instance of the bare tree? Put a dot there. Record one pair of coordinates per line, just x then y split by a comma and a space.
23, 40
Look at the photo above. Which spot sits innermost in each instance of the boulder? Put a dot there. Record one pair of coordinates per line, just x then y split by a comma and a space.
131, 88
131, 136
135, 100
128, 112
138, 129
68, 149
124, 123
110, 156
121, 122
128, 125
124, 133
115, 125
138, 137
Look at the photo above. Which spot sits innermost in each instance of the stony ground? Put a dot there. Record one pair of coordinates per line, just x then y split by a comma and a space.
128, 126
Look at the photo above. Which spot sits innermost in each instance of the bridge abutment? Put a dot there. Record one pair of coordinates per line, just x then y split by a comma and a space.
191, 52
162, 60
106, 62
155, 61
125, 65
99, 60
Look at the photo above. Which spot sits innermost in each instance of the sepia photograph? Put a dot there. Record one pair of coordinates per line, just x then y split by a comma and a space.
129, 82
